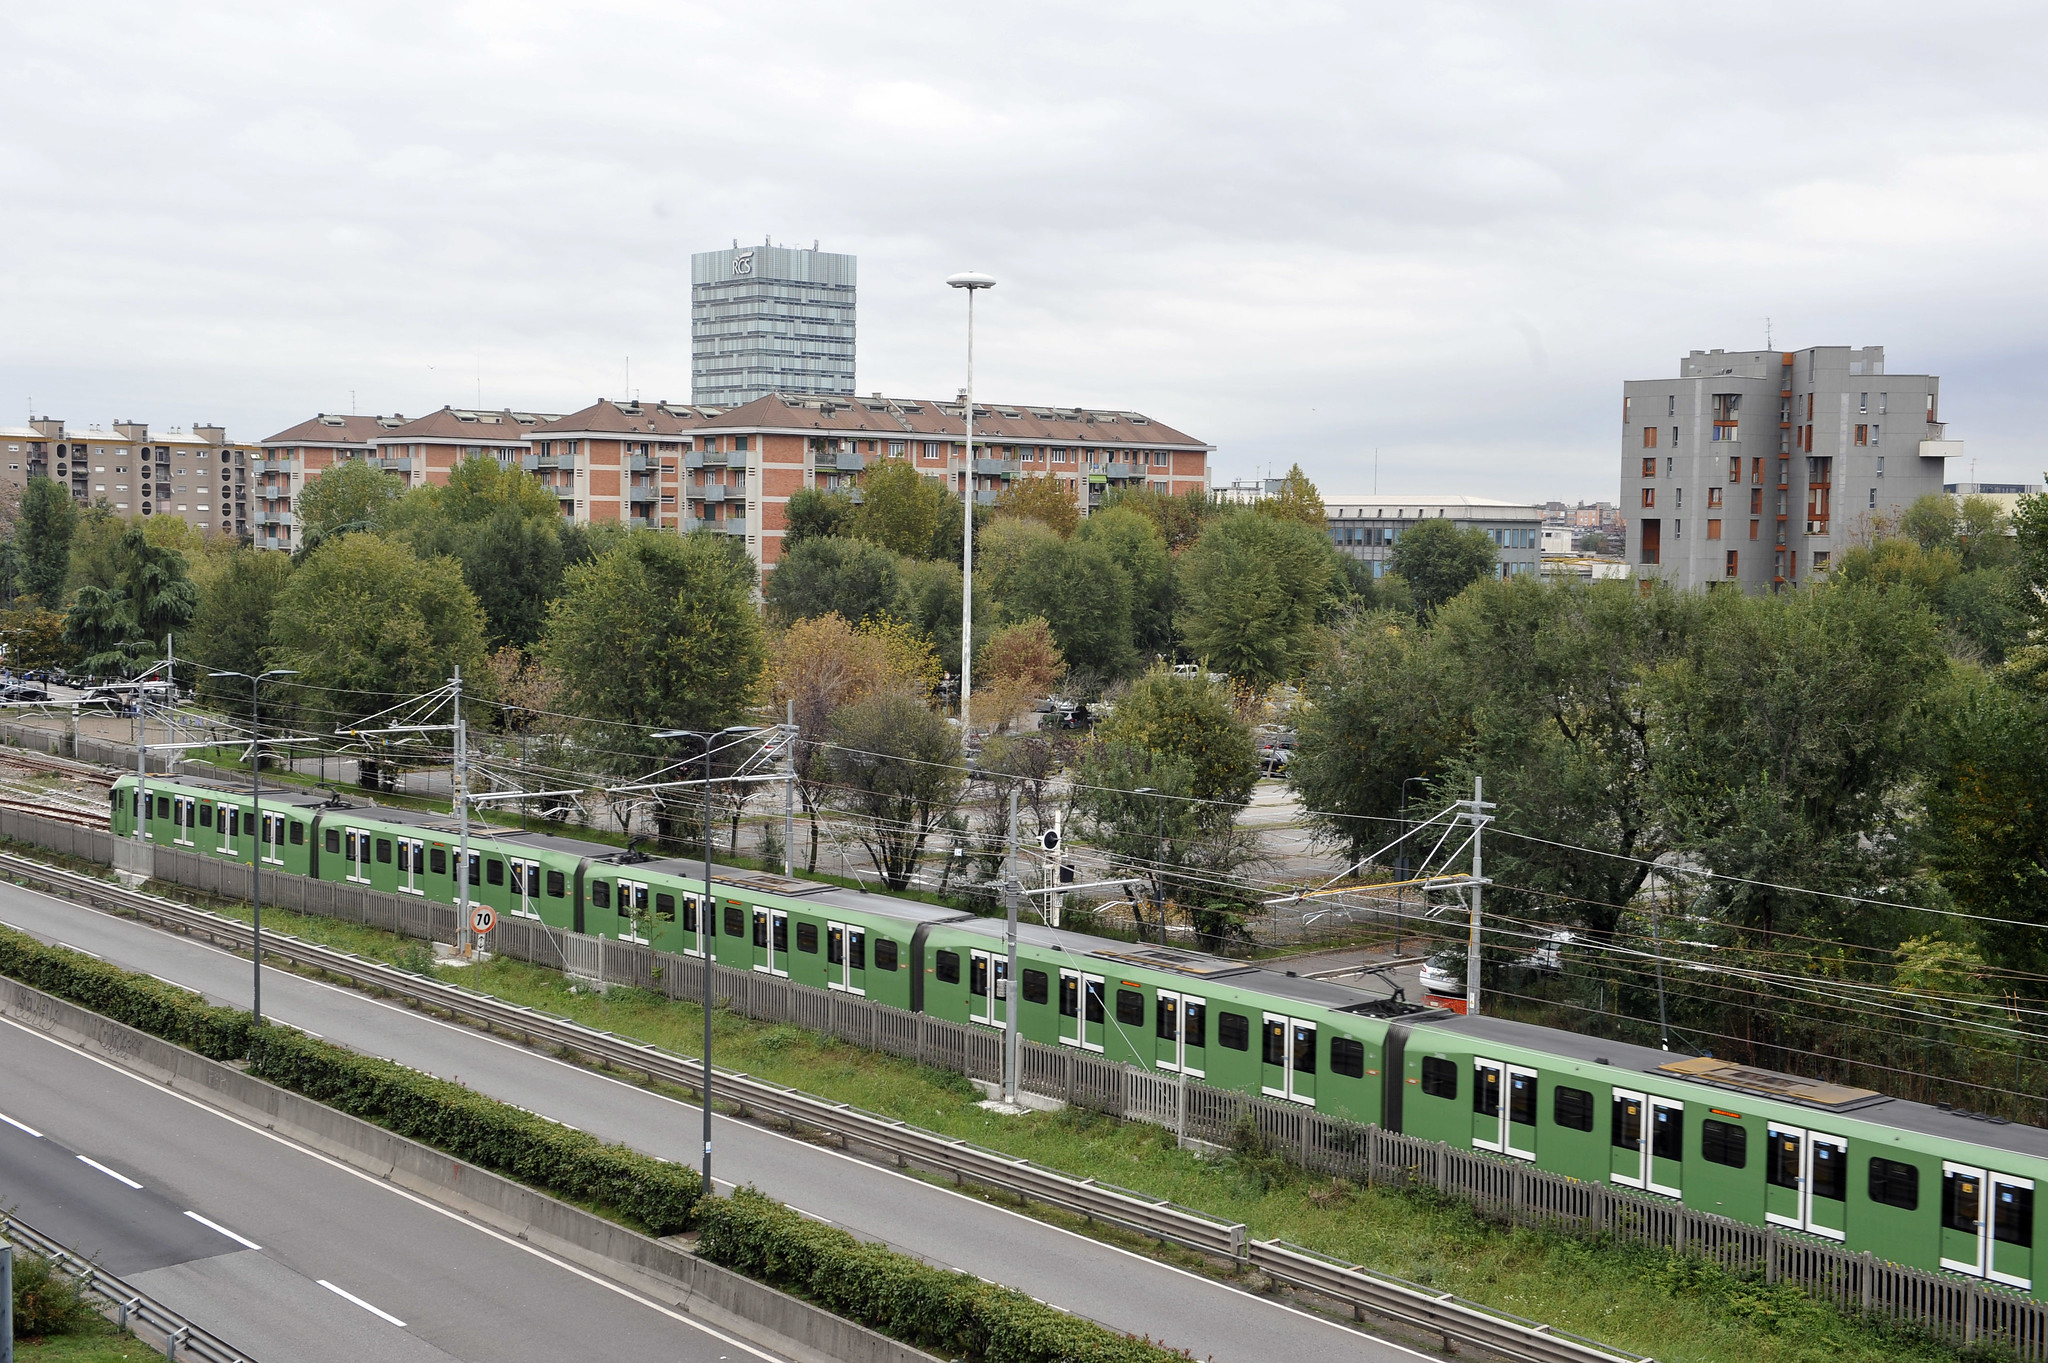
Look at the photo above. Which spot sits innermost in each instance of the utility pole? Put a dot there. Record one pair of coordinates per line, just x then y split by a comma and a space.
461, 800
1657, 945
1475, 815
6, 1302
1011, 888
789, 800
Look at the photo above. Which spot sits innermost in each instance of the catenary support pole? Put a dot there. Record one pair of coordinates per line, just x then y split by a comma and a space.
706, 919
1478, 874
461, 794
1011, 886
1657, 945
789, 801
6, 1302
256, 843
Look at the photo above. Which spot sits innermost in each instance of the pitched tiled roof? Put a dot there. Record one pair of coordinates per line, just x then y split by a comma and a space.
335, 430
994, 422
605, 417
461, 423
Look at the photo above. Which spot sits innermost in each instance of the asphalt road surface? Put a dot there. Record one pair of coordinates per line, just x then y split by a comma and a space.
1127, 1291
283, 1252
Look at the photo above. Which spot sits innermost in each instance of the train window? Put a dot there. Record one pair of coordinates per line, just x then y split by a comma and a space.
1667, 1134
557, 885
2012, 1215
665, 907
1724, 1143
1347, 1057
689, 914
807, 937
334, 839
977, 975
206, 816
1233, 1031
601, 893
494, 871
760, 929
298, 834
1572, 1108
437, 861
735, 921
1130, 1007
1439, 1077
1626, 1128
163, 806
1194, 1023
384, 849
1486, 1091
1959, 1202
885, 954
1894, 1183
1781, 1166
1522, 1099
949, 967
1830, 1171
1035, 986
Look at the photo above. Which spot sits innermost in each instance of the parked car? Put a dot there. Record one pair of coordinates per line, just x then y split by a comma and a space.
23, 693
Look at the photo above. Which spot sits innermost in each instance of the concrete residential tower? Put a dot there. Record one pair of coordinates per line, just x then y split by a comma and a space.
770, 319
1760, 467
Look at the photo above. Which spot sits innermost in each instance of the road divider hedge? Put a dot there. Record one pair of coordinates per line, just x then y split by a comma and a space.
141, 1001
489, 1134
954, 1314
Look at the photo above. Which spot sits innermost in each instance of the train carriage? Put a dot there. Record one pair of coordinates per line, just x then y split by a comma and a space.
217, 819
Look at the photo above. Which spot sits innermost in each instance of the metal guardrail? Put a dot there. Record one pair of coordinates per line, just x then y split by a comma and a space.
1361, 1290
129, 1307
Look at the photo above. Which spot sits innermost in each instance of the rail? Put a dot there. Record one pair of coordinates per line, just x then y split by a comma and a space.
1359, 1290
129, 1307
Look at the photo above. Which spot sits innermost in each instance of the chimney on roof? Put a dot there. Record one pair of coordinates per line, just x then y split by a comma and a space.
878, 397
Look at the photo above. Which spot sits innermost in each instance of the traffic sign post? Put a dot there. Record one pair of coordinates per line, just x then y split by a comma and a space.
482, 919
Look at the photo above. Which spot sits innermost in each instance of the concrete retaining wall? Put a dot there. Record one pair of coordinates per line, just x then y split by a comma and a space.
656, 1268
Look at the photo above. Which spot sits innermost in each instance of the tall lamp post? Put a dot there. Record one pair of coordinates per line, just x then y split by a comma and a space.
707, 917
256, 816
973, 281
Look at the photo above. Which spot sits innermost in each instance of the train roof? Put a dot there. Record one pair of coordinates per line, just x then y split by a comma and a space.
296, 797
1854, 1104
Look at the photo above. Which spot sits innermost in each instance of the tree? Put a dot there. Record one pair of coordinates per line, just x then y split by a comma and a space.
659, 633
1194, 720
136, 599
1084, 597
827, 576
1250, 591
2028, 571
1591, 542
1179, 519
366, 624
898, 768
928, 598
504, 526
345, 497
901, 508
1042, 499
32, 637
1438, 560
230, 631
1018, 664
1972, 527
1134, 544
49, 518
813, 513
1297, 500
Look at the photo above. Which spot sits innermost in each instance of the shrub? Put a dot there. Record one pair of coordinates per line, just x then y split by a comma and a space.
46, 1302
492, 1135
147, 1004
955, 1314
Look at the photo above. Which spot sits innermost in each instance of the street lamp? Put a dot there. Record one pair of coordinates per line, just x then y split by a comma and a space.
973, 281
256, 813
707, 917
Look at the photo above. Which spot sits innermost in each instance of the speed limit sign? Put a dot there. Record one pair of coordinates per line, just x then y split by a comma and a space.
482, 919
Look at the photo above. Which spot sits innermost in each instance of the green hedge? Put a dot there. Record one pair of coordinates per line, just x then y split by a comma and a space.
955, 1314
140, 1001
490, 1134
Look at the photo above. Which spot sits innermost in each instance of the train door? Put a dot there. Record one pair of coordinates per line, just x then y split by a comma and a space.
693, 932
184, 819
1664, 1172
634, 907
846, 957
1806, 1181
356, 855
1625, 1141
412, 866
1486, 1105
227, 823
1962, 1218
270, 840
1289, 1059
525, 887
986, 972
2012, 1231
1518, 1131
1987, 1224
771, 942
1094, 1012
1181, 1033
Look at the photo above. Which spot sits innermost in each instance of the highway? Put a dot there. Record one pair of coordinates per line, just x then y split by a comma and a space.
281, 1251
1129, 1292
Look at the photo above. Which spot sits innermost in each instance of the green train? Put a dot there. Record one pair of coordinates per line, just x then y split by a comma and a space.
1917, 1185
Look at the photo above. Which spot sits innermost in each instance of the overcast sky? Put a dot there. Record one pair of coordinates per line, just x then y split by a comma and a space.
1299, 231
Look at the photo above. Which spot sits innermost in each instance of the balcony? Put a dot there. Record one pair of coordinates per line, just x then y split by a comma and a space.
534, 463
1005, 467
732, 526
1122, 471
643, 494
636, 463
700, 459
985, 498
845, 462
714, 493
271, 518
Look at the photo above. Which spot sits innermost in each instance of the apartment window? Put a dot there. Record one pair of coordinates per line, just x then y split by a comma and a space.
1880, 466
1649, 496
1809, 406
1753, 528
1649, 437
1883, 400
1671, 405
1626, 405
1713, 529
1863, 435
1650, 466
1873, 499
1756, 470
1735, 469
1669, 462
1678, 530
1730, 569
1820, 560
1713, 497
1863, 402
1679, 500
1756, 501
1873, 435
1674, 437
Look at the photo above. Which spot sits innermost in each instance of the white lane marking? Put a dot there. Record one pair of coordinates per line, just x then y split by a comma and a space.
20, 1126
117, 1177
81, 950
347, 1295
217, 1226
424, 1204
358, 997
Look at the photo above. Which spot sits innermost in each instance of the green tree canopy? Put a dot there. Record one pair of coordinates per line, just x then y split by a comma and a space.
1250, 591
230, 632
1179, 519
901, 509
366, 623
1077, 589
140, 595
504, 527
1193, 720
898, 767
1438, 560
822, 576
1135, 545
1044, 499
813, 513
1972, 528
347, 496
1297, 500
49, 518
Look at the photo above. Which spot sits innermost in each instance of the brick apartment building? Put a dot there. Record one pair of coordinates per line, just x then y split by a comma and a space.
199, 476
300, 452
